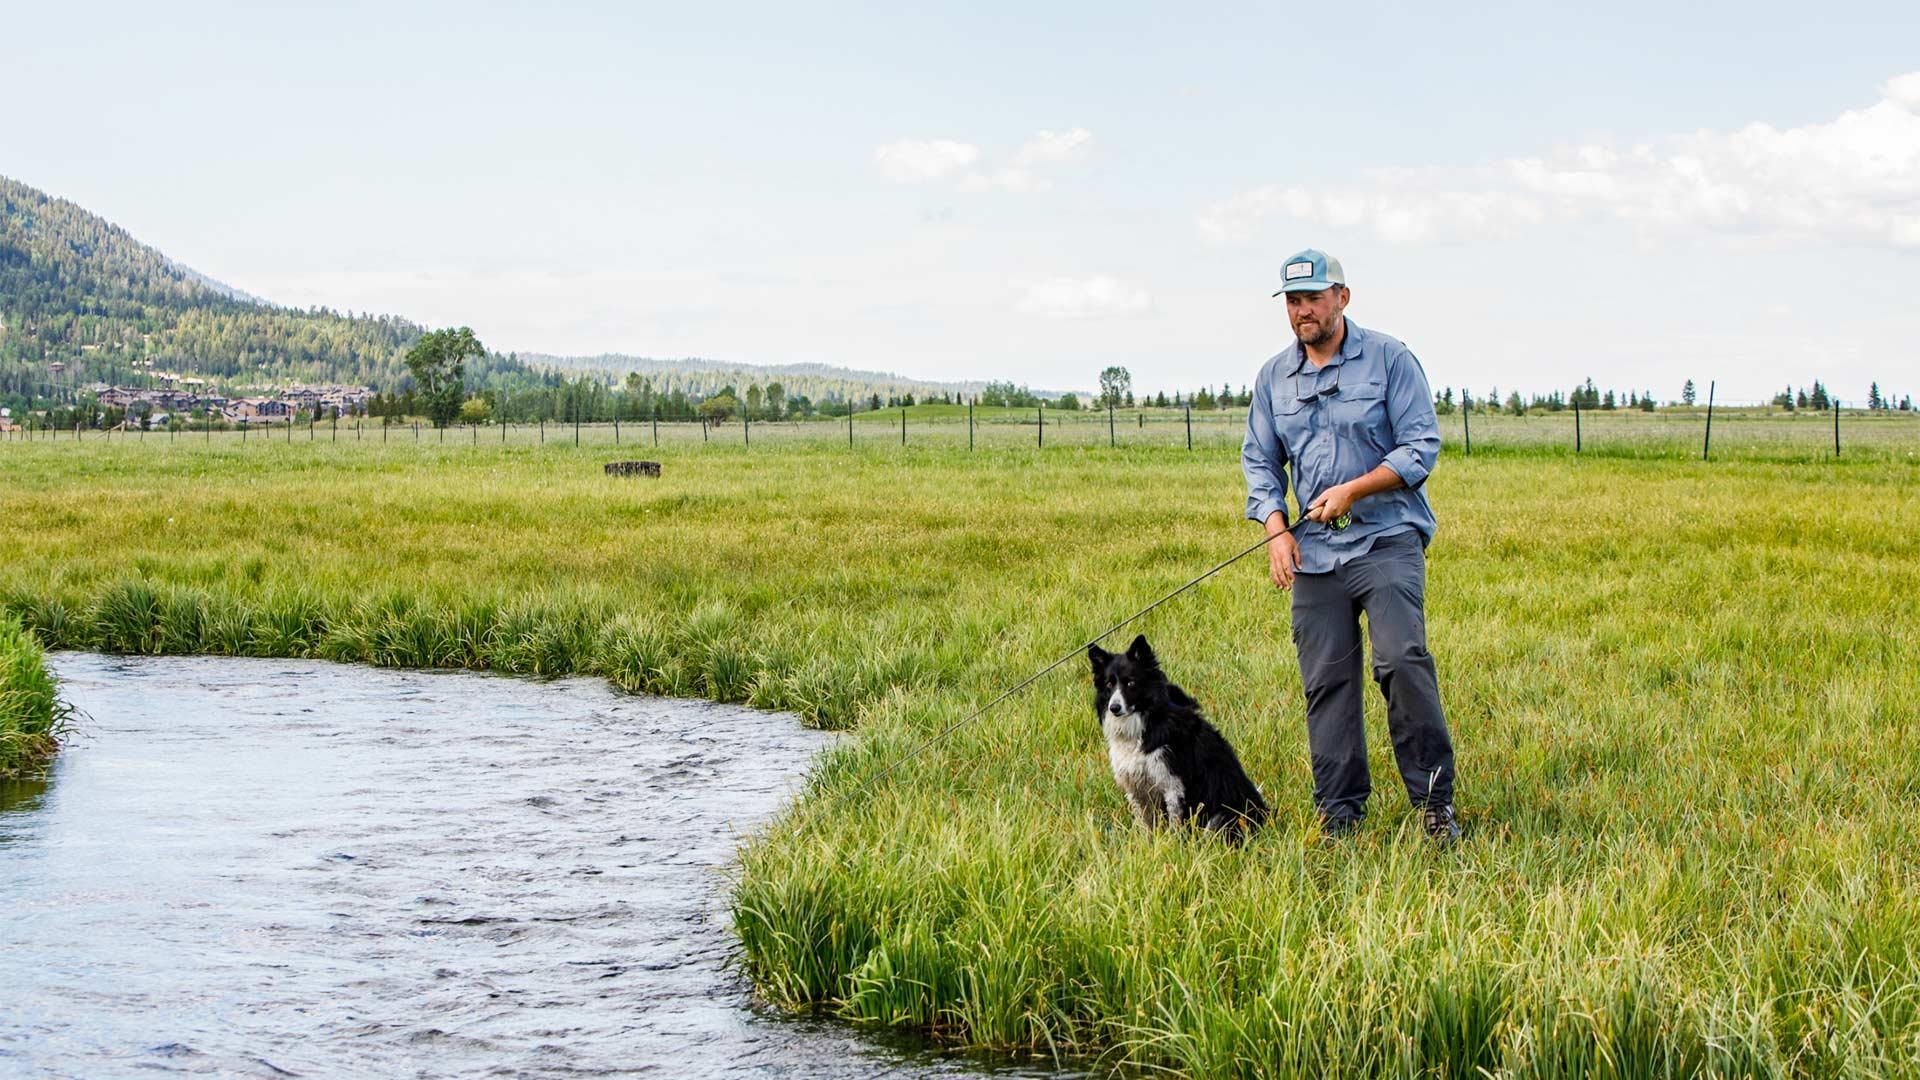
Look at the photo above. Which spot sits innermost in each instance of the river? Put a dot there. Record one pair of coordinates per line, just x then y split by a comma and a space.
273, 868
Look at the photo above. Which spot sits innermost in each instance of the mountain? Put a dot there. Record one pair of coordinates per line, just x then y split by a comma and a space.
821, 382
79, 290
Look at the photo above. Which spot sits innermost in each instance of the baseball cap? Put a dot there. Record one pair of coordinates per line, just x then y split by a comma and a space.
1310, 271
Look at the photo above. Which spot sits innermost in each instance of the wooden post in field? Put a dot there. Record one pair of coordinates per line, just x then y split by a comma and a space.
656, 424
1040, 435
289, 431
850, 408
1189, 425
1836, 427
903, 425
543, 431
336, 425
969, 423
476, 434
746, 437
576, 425
1466, 423
1707, 447
1111, 443
1576, 421
1142, 417
616, 425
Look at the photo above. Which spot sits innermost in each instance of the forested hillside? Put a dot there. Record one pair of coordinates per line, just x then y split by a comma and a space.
78, 289
820, 382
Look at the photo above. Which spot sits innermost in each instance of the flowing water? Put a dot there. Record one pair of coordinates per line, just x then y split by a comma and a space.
274, 868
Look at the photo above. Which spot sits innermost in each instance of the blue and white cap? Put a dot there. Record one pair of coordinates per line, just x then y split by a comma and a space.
1310, 271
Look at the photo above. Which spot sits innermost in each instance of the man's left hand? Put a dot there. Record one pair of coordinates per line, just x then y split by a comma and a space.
1332, 505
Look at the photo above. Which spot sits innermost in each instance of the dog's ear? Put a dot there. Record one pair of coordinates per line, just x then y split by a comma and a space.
1099, 657
1140, 651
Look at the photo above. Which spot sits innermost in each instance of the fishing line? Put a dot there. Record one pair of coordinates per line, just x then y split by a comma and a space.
1336, 526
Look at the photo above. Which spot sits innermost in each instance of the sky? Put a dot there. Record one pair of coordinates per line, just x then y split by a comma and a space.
1527, 196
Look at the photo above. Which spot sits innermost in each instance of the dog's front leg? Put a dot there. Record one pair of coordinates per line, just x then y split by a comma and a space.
1175, 806
1141, 813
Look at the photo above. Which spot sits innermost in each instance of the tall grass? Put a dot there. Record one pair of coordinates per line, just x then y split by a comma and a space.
1682, 695
32, 716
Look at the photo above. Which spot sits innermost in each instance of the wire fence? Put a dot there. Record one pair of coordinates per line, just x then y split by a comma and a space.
1741, 431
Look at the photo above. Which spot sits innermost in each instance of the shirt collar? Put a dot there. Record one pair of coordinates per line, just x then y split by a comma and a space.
1349, 349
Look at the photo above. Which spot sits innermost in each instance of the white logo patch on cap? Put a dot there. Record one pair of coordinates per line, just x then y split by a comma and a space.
1299, 270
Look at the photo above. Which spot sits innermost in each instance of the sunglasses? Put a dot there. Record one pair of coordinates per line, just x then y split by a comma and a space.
1323, 392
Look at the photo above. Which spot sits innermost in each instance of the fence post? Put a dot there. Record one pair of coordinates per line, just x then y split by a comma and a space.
969, 423
1189, 425
336, 426
616, 425
703, 429
576, 425
1040, 435
476, 434
903, 425
1110, 439
289, 431
656, 425
746, 437
1707, 447
850, 409
1576, 422
1836, 427
543, 431
1466, 419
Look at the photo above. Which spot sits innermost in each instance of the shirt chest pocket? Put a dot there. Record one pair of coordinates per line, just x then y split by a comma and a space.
1359, 414
1293, 423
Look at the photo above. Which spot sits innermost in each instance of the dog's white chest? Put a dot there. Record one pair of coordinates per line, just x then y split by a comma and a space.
1150, 786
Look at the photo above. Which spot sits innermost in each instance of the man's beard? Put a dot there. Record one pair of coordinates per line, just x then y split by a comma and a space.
1324, 335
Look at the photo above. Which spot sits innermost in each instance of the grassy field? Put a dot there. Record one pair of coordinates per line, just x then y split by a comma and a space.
1683, 695
31, 715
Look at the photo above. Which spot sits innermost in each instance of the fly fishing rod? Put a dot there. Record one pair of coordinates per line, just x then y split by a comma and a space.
1336, 525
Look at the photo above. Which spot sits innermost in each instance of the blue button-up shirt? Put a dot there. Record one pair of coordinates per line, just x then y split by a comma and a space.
1368, 406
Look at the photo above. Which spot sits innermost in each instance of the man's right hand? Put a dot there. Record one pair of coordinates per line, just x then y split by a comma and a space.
1283, 553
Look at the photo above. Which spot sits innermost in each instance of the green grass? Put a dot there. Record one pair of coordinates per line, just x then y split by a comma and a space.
1682, 695
32, 716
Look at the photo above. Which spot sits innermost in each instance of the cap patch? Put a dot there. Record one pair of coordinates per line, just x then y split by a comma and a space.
1299, 270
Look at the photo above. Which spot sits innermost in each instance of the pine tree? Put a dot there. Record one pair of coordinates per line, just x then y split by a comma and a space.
1873, 398
1687, 393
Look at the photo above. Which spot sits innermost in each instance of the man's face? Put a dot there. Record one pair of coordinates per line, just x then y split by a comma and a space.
1316, 315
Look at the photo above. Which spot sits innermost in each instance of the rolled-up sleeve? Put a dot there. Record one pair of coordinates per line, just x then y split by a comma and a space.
1416, 431
1262, 458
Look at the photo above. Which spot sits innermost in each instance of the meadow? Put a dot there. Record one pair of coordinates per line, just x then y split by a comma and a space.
1682, 694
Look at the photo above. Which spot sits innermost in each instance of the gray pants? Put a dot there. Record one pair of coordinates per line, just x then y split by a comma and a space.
1389, 583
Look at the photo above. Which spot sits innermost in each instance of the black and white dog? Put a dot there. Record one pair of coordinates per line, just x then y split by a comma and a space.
1173, 765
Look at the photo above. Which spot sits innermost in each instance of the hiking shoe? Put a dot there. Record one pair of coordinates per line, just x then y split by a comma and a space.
1440, 825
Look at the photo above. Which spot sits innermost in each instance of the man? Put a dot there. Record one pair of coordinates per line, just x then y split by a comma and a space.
1347, 412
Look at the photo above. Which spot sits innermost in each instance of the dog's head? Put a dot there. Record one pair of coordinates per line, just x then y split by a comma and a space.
1126, 683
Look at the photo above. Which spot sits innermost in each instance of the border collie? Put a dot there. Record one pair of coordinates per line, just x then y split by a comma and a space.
1172, 764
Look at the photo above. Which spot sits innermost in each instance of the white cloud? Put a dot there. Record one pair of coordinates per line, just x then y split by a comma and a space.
1852, 179
1056, 147
919, 160
1081, 298
915, 160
